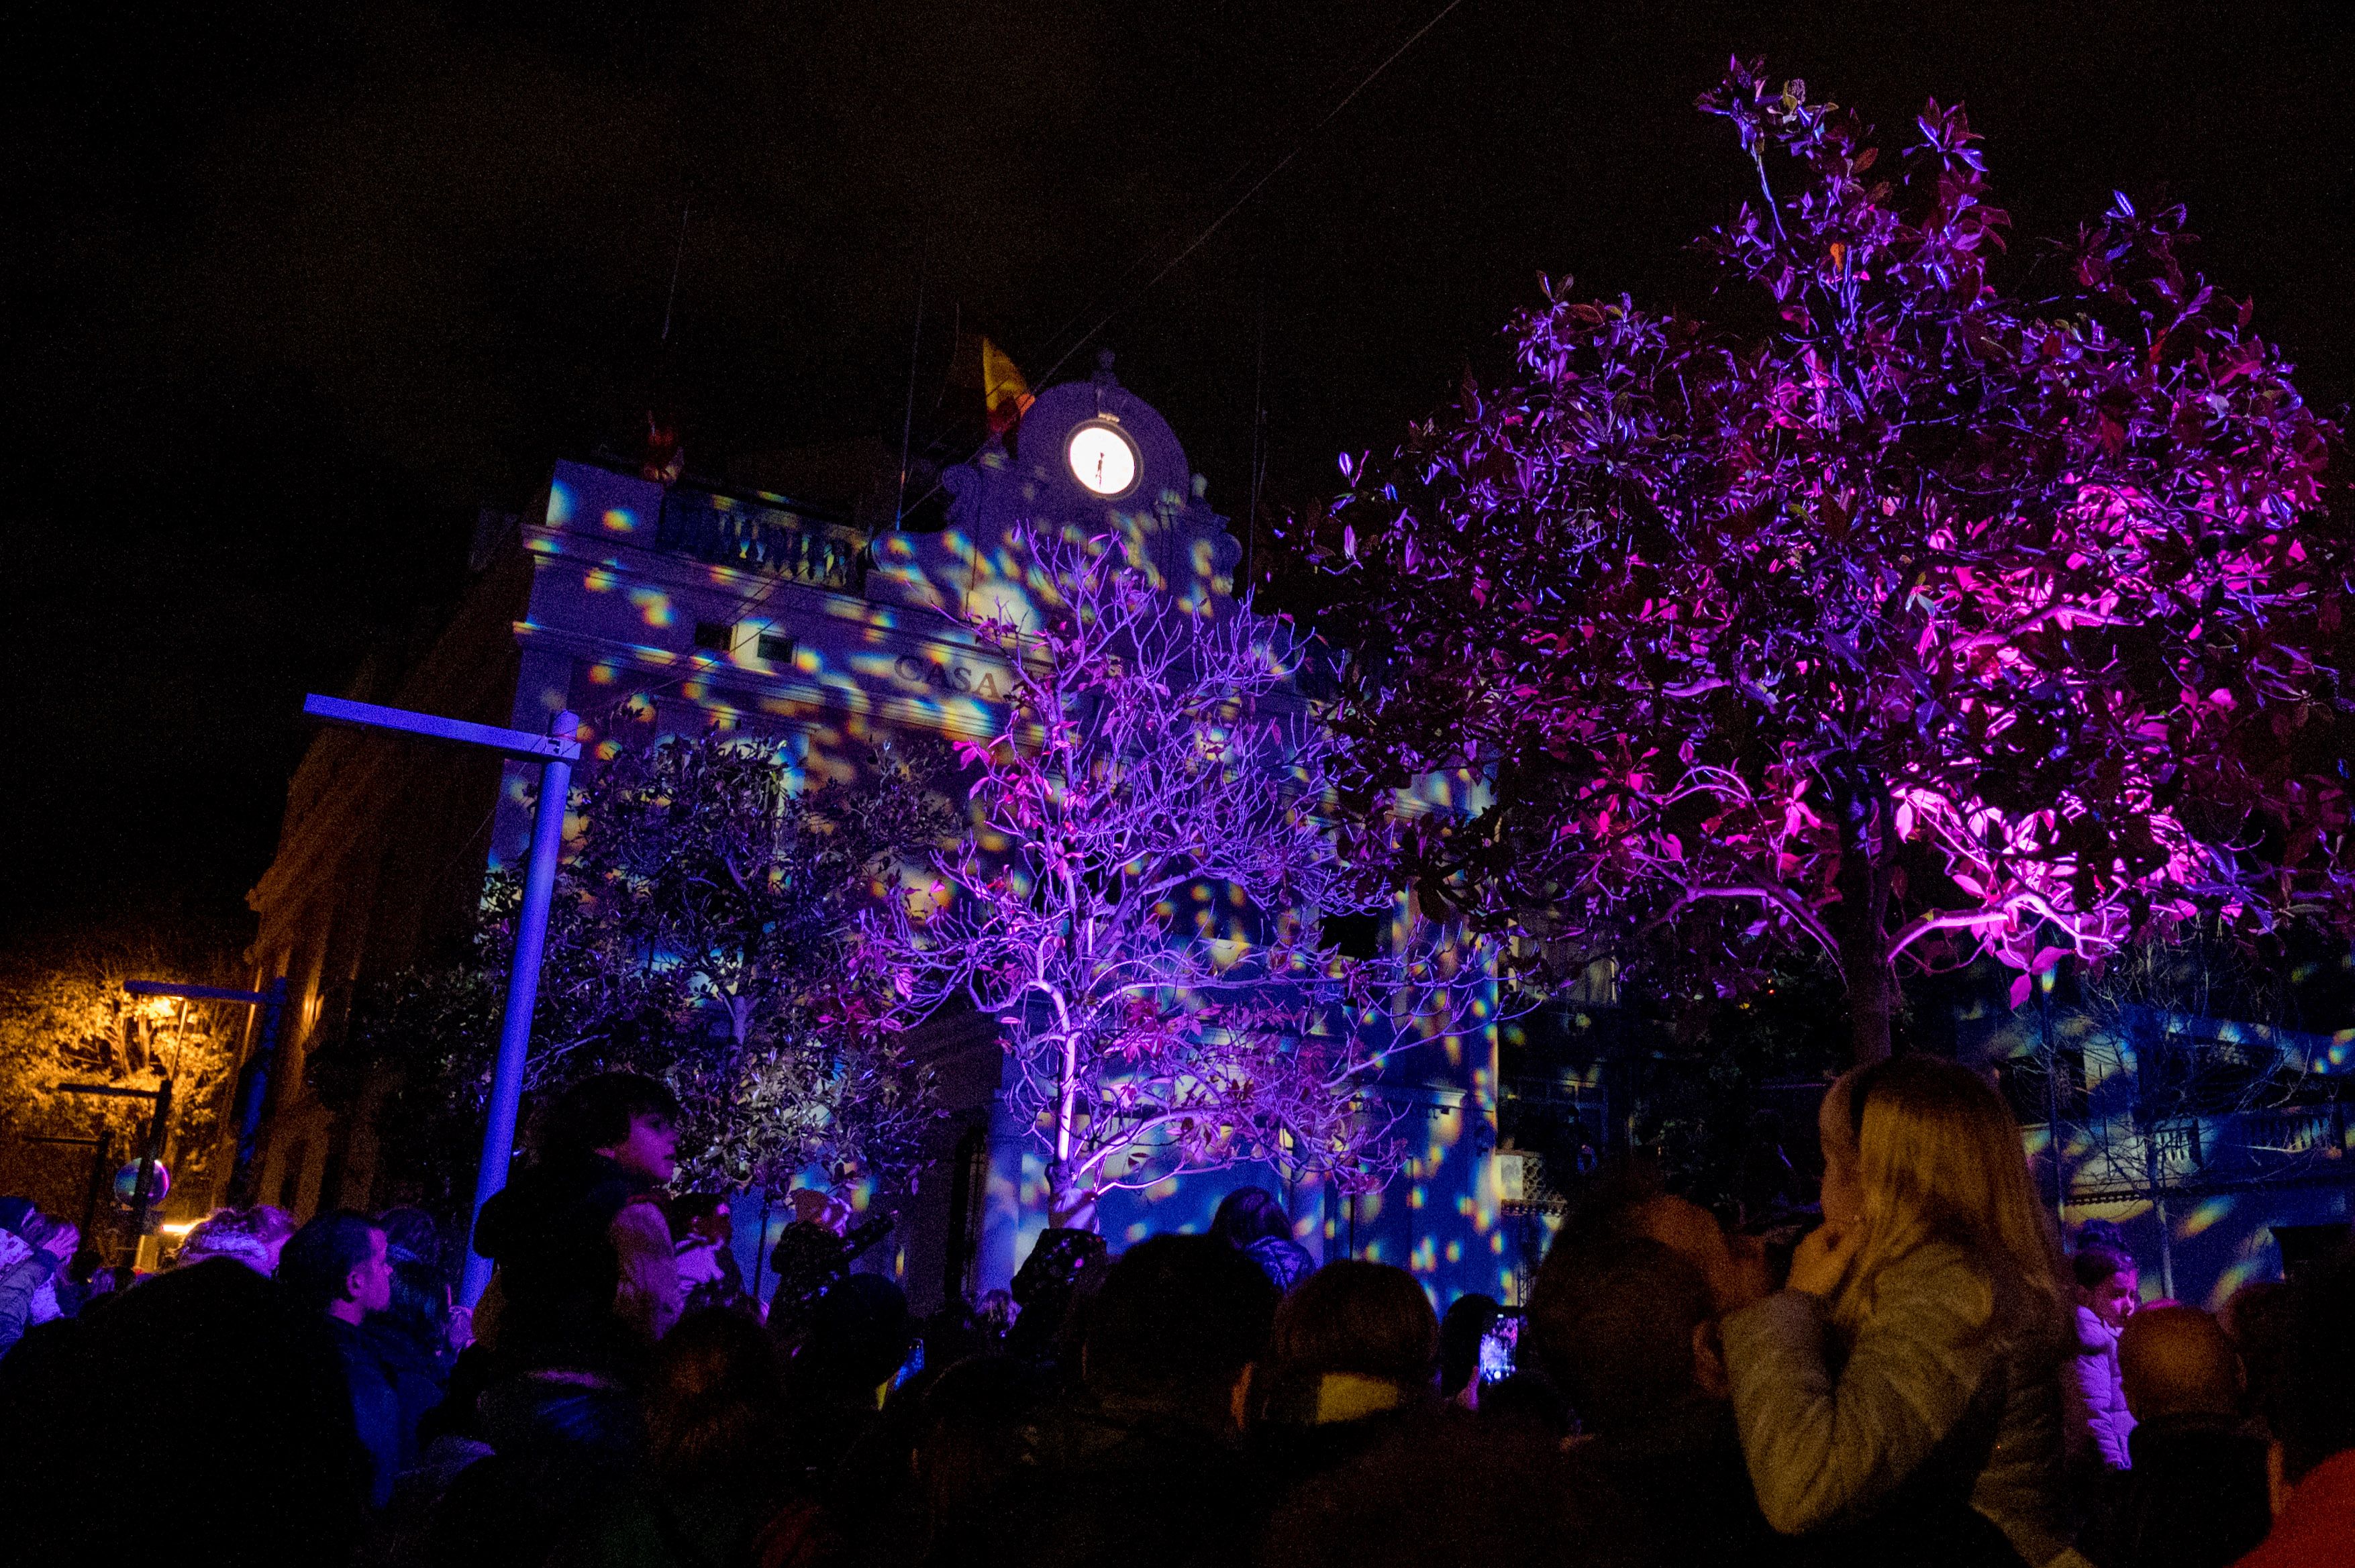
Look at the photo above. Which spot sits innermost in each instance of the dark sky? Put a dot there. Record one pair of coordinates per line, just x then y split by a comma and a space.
291, 287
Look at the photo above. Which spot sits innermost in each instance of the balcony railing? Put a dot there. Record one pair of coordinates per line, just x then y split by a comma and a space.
726, 532
2292, 1133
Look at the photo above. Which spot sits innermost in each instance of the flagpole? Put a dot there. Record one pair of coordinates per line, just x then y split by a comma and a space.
908, 420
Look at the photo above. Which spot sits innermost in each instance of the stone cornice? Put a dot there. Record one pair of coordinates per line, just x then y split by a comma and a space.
957, 717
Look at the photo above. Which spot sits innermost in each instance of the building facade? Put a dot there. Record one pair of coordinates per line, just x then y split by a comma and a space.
647, 609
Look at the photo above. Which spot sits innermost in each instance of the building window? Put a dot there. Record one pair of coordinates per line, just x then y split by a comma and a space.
1354, 935
968, 1202
715, 636
290, 1176
776, 649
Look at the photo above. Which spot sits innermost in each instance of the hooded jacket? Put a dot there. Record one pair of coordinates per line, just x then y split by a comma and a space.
1939, 1413
2098, 1421
587, 1276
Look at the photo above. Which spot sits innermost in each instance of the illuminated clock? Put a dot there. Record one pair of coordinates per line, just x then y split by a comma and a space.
1101, 459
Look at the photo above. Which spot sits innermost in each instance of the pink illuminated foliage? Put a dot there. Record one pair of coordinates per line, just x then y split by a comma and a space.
1924, 621
1137, 901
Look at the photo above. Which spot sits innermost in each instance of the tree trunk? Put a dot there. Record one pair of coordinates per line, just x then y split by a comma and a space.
1861, 921
1074, 1209
1871, 1003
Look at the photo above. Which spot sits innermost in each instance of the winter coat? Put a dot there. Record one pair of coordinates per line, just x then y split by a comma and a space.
417, 1375
1284, 1261
2098, 1422
587, 1277
2314, 1529
375, 1406
2196, 1495
23, 1269
1938, 1419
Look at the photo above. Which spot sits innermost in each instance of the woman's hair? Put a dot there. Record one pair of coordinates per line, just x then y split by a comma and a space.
596, 1113
1351, 1316
1939, 1158
717, 1394
1248, 1214
247, 1235
420, 1286
2093, 1265
1467, 1323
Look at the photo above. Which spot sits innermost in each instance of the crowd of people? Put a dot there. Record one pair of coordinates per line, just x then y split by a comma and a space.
1924, 1379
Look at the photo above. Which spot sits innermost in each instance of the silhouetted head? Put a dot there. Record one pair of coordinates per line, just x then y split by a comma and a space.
626, 1116
1178, 1319
1248, 1214
1467, 1323
1351, 1339
717, 1394
1622, 1326
337, 1263
860, 1333
2176, 1361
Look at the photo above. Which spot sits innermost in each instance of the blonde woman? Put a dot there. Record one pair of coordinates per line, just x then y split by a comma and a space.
1903, 1391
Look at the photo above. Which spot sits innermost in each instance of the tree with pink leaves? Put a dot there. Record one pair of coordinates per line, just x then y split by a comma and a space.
1140, 899
1918, 622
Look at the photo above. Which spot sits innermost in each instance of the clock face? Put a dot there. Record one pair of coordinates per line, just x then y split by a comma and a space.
1103, 459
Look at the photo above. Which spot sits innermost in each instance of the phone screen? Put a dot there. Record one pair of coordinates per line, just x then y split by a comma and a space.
1500, 1348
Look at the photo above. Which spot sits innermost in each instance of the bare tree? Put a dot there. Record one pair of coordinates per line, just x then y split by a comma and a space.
1142, 898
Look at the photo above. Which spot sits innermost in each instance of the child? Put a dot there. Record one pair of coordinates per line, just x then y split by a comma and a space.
2098, 1421
1930, 1430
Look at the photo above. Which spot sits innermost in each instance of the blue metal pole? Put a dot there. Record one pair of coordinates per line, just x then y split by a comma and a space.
523, 994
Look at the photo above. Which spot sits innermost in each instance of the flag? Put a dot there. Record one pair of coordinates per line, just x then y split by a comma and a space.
1005, 396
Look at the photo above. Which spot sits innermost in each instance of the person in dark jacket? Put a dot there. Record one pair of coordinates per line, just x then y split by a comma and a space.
1449, 1488
860, 1333
1624, 1324
1251, 1221
2311, 1464
586, 1279
2195, 1494
335, 1266
412, 1335
212, 1362
1349, 1358
1466, 1324
1147, 1457
715, 1473
1053, 1291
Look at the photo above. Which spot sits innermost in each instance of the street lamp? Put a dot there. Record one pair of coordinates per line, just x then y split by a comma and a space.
556, 752
253, 1084
151, 1153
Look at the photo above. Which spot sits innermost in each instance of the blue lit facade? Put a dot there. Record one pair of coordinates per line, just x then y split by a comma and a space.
648, 609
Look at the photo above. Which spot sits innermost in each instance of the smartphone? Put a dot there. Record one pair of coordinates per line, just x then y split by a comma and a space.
1500, 1347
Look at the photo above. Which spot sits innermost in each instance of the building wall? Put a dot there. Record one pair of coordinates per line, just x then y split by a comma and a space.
643, 610
379, 860
2201, 1161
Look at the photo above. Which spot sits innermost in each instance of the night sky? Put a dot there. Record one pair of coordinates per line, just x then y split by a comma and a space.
291, 288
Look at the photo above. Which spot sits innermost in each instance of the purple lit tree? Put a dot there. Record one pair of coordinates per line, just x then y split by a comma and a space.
1139, 899
1922, 622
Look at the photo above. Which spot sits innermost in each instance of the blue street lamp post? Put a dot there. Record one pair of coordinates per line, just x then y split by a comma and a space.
556, 752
